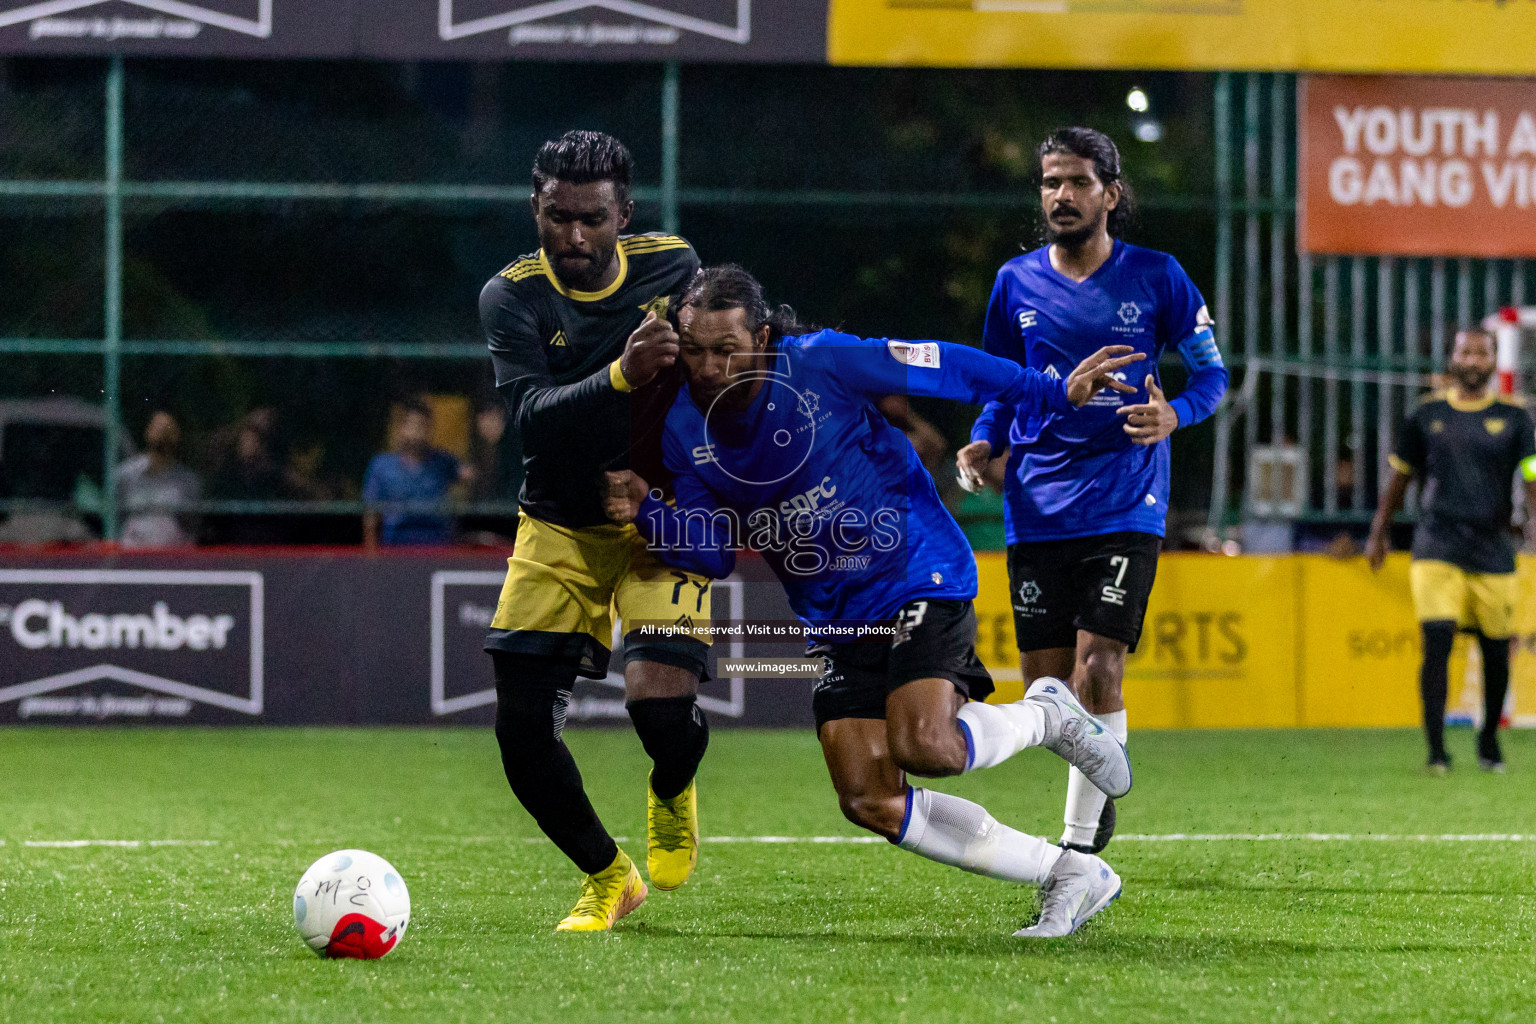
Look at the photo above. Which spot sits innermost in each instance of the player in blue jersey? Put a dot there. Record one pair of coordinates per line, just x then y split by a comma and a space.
775, 443
1086, 495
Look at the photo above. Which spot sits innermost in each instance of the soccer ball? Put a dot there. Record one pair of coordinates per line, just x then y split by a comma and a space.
351, 903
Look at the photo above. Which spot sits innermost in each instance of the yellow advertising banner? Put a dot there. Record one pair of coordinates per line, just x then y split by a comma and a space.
1485, 37
1273, 642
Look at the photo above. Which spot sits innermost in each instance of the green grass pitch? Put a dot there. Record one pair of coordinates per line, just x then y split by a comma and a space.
1208, 930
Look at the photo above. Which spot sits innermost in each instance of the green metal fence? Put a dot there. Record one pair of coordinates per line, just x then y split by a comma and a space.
1269, 304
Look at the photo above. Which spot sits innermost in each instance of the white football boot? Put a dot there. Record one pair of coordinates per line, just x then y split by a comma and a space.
1082, 740
1080, 885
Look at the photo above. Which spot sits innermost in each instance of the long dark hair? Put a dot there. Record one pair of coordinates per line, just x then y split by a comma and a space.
1094, 145
731, 287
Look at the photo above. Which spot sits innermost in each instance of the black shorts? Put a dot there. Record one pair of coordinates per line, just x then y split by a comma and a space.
1095, 584
935, 639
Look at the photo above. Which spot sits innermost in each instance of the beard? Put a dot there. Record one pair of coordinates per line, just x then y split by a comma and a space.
1470, 378
583, 275
1069, 238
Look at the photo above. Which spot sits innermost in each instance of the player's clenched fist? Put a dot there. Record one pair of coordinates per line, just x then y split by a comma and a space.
1098, 372
626, 490
651, 347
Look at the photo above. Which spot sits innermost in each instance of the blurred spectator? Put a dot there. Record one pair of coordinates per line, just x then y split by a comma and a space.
155, 491
306, 477
250, 472
496, 454
220, 446
403, 485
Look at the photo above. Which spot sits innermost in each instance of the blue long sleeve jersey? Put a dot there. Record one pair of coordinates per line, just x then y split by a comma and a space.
1081, 475
813, 477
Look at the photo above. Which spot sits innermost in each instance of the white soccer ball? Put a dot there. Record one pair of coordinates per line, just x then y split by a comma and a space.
351, 903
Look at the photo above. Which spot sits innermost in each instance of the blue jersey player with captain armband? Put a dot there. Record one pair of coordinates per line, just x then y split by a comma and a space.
775, 443
1086, 495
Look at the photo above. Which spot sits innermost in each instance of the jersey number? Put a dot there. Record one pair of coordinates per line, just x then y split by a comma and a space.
677, 590
1114, 593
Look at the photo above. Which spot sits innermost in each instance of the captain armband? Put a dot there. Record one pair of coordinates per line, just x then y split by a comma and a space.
1528, 468
1199, 350
1404, 467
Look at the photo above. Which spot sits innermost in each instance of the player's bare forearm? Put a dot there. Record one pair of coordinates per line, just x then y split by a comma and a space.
1530, 513
370, 530
1391, 502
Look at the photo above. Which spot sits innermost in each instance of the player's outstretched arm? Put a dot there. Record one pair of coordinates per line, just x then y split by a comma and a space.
939, 369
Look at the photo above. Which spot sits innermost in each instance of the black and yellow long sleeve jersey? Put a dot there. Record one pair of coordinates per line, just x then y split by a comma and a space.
556, 354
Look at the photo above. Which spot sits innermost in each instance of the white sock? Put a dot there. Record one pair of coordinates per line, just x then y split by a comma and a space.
995, 732
963, 835
1084, 801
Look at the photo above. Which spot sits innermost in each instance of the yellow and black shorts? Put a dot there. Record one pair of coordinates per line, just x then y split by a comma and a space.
1443, 592
565, 587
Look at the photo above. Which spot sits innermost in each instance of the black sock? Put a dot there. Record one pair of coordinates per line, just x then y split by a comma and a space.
532, 694
1495, 686
1439, 637
674, 732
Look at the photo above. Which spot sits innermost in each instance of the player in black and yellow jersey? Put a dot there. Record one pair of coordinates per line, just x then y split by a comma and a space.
1465, 445
584, 358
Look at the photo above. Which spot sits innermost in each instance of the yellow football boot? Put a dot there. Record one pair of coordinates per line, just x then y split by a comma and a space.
606, 897
671, 836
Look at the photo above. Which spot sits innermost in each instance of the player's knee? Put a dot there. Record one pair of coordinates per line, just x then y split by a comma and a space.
526, 738
880, 813
1439, 638
1103, 667
931, 749
530, 708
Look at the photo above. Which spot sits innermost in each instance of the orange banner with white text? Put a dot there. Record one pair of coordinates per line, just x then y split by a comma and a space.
1417, 166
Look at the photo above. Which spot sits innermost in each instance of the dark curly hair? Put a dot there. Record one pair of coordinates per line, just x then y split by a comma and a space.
1091, 144
731, 287
582, 157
